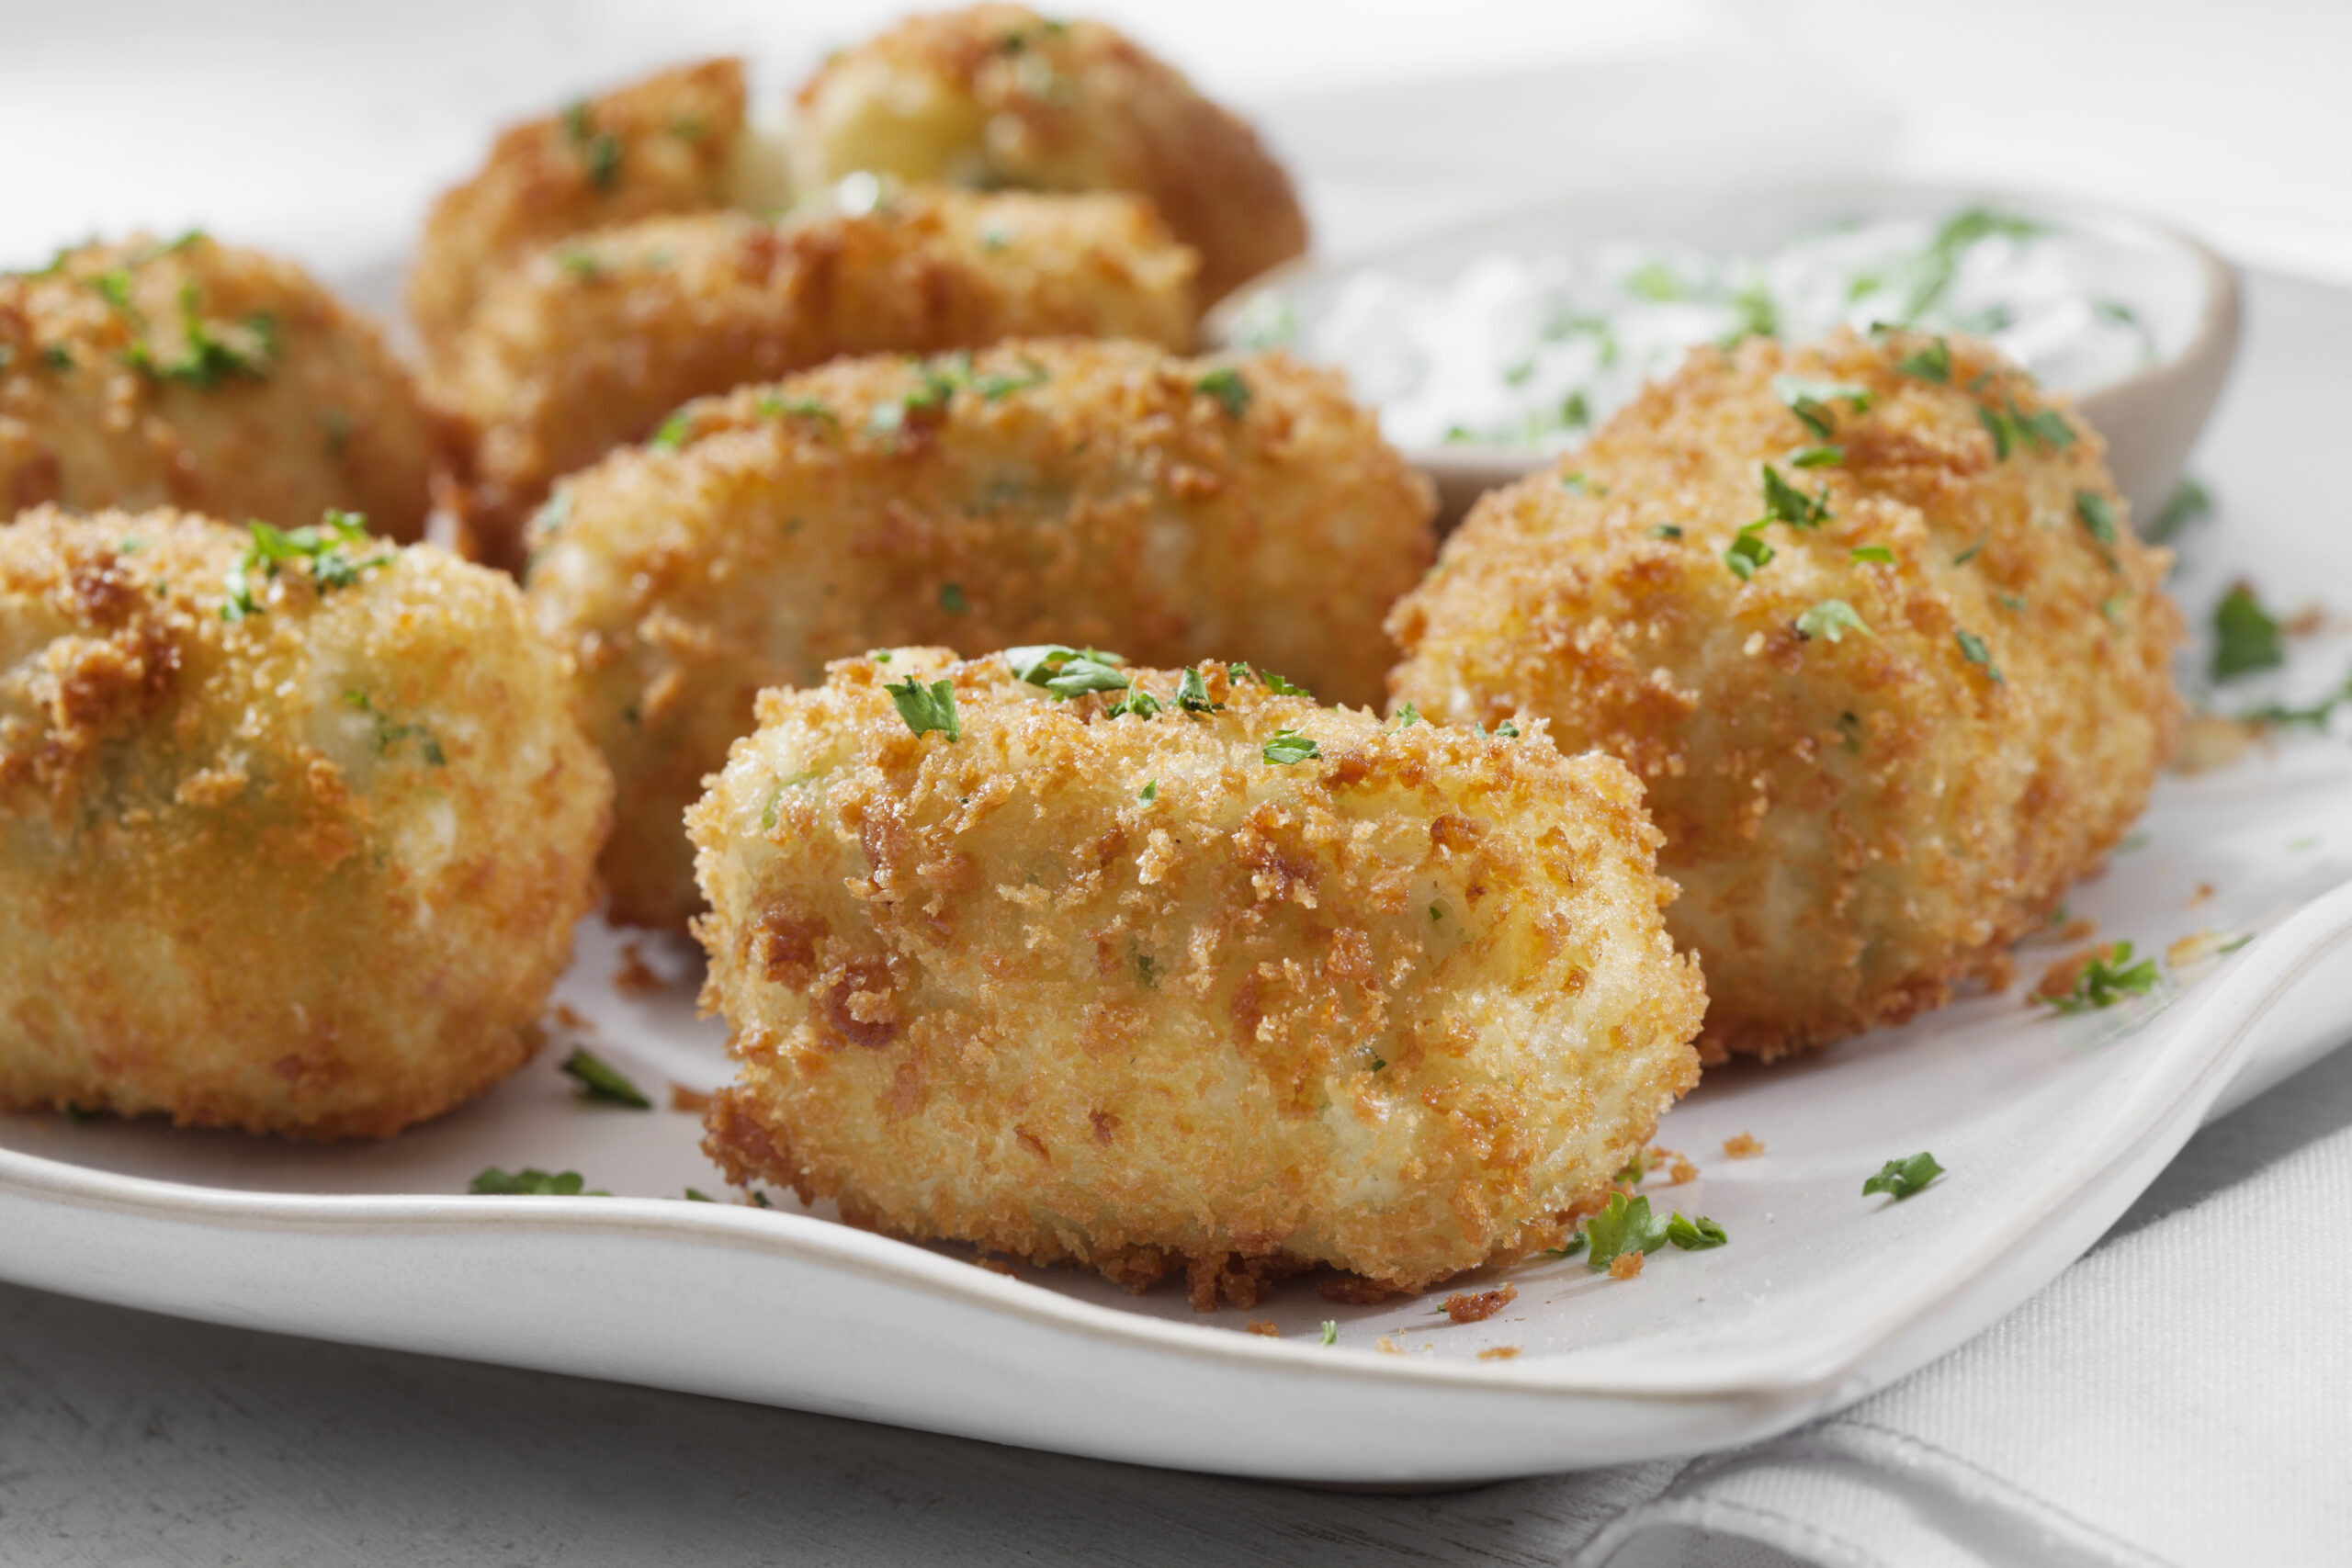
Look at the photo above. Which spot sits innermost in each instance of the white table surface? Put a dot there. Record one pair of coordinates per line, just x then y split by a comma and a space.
126, 1439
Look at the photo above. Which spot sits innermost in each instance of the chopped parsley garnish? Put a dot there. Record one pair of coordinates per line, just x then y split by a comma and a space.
2188, 501
2011, 428
1625, 1225
1281, 687
2097, 515
1192, 693
1972, 649
1574, 412
598, 149
2316, 716
1226, 385
1754, 315
1149, 793
532, 1182
1508, 730
1437, 913
927, 708
1665, 531
1568, 1248
1818, 457
1810, 401
994, 384
1878, 553
1138, 702
580, 264
1898, 1178
952, 600
1940, 262
774, 407
1747, 552
1783, 502
1573, 483
389, 735
1932, 363
321, 545
2107, 978
2246, 638
1406, 716
207, 359
1289, 746
672, 433
1849, 730
1330, 1331
1996, 425
57, 356
1832, 618
697, 1195
1970, 554
1694, 1235
1068, 671
1656, 281
600, 1083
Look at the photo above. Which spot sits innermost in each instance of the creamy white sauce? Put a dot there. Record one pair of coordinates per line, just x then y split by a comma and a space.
1533, 351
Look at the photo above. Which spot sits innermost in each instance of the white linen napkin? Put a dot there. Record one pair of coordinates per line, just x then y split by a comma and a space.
2183, 1395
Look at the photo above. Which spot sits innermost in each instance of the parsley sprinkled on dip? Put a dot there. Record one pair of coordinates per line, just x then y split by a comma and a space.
1530, 349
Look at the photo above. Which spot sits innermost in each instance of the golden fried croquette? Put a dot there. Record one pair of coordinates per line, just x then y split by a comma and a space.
655, 148
195, 374
308, 870
999, 97
1097, 491
1937, 694
1235, 985
595, 343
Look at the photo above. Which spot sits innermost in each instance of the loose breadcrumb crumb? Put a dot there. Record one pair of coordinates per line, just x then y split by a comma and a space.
570, 1018
2209, 743
2204, 891
1627, 1265
2196, 946
1476, 1306
1387, 1346
1348, 1289
1501, 1352
1266, 1327
999, 1265
2058, 980
1743, 1147
685, 1099
633, 975
2000, 973
2075, 931
1682, 1171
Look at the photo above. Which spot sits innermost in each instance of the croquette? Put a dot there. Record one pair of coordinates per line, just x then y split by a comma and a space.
661, 147
1869, 620
597, 342
294, 824
192, 374
1094, 492
1176, 971
998, 98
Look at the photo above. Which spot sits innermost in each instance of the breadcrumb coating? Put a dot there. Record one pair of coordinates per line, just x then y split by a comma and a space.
193, 374
999, 97
312, 871
595, 343
655, 148
1119, 990
1860, 815
1087, 491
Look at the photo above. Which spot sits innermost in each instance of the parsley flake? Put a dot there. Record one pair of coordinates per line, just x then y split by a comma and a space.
1783, 502
952, 600
1226, 385
1898, 1178
1694, 1235
1149, 793
1878, 553
672, 433
1068, 671
1810, 400
1818, 457
1665, 531
2188, 501
1406, 716
1832, 618
927, 708
1972, 649
1289, 746
1568, 1248
1625, 1225
1330, 1331
1932, 363
389, 735
321, 545
1747, 552
1281, 687
1508, 730
2106, 979
1192, 693
2097, 515
598, 149
601, 1084
532, 1182
206, 358
775, 406
2247, 636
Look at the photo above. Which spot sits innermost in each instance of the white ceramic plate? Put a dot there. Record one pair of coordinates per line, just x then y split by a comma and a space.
2048, 1127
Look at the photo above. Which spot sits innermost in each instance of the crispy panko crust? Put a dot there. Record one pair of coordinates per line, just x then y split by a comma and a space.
1400, 1010
1860, 823
311, 872
282, 403
655, 148
593, 344
999, 97
1044, 490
